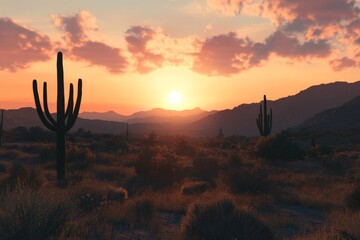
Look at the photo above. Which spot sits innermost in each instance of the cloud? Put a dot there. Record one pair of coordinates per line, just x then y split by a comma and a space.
21, 46
319, 12
138, 38
223, 54
76, 29
342, 63
227, 7
229, 54
97, 53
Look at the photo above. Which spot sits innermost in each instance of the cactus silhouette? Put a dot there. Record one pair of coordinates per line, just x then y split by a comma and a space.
1, 126
65, 120
264, 120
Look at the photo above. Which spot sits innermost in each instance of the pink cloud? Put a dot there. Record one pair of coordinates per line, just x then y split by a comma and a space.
320, 12
20, 46
227, 7
343, 63
76, 29
97, 53
224, 54
229, 54
138, 38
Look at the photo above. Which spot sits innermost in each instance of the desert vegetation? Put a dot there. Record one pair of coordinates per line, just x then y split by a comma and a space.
179, 187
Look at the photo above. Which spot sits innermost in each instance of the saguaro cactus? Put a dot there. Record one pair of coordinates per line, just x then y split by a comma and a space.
264, 120
1, 126
65, 120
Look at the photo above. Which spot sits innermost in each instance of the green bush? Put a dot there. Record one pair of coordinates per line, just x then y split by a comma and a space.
220, 220
278, 147
27, 214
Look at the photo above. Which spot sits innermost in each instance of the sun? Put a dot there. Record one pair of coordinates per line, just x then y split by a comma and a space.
175, 98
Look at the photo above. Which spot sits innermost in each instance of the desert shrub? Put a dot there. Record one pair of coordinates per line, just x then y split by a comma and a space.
46, 152
140, 212
118, 194
117, 143
28, 214
80, 158
205, 168
155, 166
2, 168
90, 196
183, 145
353, 198
23, 176
246, 180
337, 165
194, 187
220, 220
278, 147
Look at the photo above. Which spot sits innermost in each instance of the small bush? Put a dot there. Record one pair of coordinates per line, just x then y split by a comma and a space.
278, 147
2, 168
205, 169
140, 212
194, 188
119, 194
183, 145
337, 165
80, 158
28, 214
155, 166
22, 176
245, 180
220, 220
353, 199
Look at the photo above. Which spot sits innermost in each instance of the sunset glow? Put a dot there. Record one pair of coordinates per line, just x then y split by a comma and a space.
175, 98
217, 54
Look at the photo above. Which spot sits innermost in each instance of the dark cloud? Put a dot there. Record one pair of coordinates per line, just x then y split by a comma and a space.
138, 38
20, 46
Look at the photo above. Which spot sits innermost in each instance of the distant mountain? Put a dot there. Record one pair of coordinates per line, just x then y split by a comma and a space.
287, 112
27, 117
156, 115
345, 117
107, 116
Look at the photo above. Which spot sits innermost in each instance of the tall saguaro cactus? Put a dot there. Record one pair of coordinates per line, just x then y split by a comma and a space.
1, 126
65, 119
264, 120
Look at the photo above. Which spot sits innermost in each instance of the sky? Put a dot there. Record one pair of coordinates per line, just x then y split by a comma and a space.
137, 55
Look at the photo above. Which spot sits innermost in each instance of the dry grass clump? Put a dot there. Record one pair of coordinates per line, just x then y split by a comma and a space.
22, 176
221, 220
197, 187
29, 214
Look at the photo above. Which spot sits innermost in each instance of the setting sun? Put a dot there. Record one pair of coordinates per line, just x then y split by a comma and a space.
175, 98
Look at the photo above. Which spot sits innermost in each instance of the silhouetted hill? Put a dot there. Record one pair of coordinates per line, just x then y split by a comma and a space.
156, 115
344, 117
287, 112
27, 117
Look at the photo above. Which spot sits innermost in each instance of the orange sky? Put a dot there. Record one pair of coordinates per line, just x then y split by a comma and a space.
216, 54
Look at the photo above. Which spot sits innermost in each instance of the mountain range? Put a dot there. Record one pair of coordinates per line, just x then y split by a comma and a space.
309, 107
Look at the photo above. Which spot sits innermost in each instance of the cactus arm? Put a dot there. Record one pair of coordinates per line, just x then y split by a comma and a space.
60, 93
46, 107
39, 109
70, 107
72, 117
